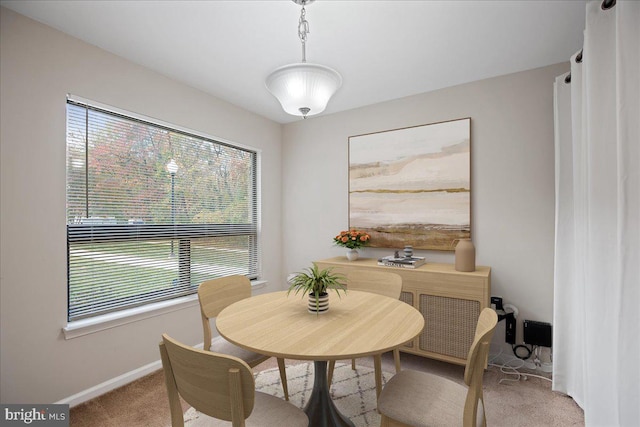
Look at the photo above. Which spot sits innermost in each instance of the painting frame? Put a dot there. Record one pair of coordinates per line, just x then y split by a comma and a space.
412, 185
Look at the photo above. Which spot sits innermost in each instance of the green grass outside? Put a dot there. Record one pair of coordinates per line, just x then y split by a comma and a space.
156, 270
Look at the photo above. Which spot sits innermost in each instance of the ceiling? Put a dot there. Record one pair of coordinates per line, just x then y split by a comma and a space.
383, 49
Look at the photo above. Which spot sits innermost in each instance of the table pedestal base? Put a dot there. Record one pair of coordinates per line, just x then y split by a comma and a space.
320, 409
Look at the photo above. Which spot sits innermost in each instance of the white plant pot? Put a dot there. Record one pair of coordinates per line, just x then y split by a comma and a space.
352, 254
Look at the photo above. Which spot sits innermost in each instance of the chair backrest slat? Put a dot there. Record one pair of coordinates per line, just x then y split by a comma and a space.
177, 419
474, 369
487, 322
214, 384
235, 391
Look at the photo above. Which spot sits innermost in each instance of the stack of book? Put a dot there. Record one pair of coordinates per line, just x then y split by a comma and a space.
407, 262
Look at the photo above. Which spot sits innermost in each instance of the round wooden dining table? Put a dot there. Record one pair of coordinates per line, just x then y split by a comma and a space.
357, 324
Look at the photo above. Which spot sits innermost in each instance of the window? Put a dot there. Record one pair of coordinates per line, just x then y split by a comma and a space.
152, 211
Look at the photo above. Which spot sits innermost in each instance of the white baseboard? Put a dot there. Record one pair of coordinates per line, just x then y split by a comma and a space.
113, 383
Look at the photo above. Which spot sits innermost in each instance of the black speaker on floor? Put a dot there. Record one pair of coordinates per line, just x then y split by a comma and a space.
537, 333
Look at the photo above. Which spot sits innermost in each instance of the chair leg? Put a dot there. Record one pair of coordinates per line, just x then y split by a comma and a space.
283, 378
332, 365
353, 364
396, 359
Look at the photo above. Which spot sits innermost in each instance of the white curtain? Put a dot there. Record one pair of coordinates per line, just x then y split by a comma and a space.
596, 345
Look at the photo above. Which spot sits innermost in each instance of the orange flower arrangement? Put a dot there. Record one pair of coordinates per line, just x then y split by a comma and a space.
352, 239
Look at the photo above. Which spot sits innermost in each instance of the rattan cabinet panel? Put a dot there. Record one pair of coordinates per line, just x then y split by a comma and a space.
449, 325
449, 300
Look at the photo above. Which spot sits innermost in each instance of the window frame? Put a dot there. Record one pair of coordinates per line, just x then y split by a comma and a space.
110, 233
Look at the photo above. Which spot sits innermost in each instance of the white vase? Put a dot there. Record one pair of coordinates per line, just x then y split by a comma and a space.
319, 306
352, 254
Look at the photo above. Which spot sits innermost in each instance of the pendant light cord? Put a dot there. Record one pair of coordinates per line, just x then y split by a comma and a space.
303, 88
303, 30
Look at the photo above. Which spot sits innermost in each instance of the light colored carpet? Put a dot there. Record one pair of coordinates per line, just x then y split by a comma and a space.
353, 391
530, 403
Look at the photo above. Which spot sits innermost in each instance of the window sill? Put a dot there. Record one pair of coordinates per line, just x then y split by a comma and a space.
83, 327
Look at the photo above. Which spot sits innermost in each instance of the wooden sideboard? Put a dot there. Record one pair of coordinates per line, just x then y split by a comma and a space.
449, 300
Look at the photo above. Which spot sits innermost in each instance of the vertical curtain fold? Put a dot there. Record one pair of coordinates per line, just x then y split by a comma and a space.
597, 248
566, 343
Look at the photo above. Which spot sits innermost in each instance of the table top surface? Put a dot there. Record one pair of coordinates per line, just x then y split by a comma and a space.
357, 324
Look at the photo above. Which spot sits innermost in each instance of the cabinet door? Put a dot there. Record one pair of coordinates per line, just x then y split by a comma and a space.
450, 324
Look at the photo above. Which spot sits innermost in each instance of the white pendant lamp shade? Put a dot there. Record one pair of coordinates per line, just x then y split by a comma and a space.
303, 89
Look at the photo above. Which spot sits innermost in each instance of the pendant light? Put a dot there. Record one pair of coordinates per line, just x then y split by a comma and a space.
303, 88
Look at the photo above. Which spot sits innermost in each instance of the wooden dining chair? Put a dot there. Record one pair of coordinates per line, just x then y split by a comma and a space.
222, 387
216, 294
420, 399
382, 283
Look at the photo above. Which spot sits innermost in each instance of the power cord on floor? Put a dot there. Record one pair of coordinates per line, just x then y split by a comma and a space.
508, 368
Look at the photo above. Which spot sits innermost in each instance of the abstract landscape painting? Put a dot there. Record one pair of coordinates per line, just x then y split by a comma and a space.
412, 186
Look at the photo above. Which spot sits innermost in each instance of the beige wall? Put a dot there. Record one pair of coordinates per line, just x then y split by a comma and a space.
512, 156
39, 66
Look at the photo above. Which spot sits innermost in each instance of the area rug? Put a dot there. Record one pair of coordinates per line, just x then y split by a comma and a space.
352, 391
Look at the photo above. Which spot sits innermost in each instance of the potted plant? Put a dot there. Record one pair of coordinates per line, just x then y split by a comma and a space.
316, 283
353, 240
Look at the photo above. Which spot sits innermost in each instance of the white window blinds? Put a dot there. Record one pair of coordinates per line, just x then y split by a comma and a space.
152, 211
